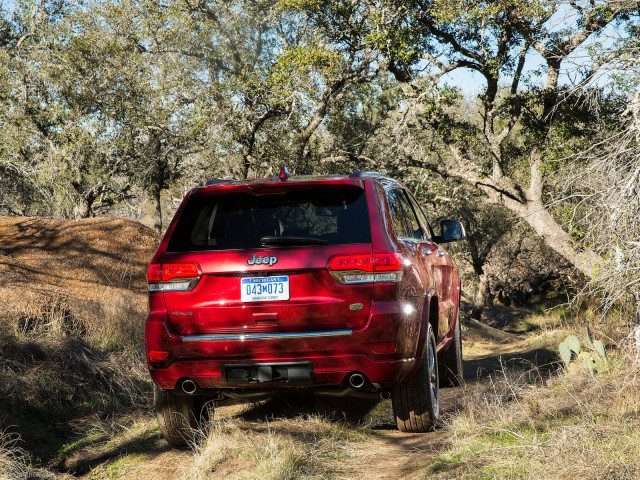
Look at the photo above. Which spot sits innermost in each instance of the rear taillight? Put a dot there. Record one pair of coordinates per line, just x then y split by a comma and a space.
173, 277
363, 263
365, 268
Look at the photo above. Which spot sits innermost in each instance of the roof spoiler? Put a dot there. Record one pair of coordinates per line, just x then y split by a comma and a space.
216, 181
367, 174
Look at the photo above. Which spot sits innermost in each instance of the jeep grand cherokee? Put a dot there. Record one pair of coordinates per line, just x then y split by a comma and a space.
335, 283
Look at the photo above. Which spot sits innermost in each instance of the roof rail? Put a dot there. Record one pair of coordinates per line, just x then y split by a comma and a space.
367, 174
215, 181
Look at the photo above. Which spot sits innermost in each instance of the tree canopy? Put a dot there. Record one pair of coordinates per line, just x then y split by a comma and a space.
106, 105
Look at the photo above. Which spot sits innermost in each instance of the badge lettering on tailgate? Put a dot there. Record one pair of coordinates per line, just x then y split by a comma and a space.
262, 260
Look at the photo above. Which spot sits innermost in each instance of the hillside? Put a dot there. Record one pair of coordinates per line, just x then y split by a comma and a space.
72, 308
84, 272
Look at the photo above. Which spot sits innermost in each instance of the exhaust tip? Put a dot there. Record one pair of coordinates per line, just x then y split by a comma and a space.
357, 380
189, 386
385, 395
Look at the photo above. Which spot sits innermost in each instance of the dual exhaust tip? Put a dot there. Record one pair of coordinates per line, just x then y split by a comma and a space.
189, 386
357, 381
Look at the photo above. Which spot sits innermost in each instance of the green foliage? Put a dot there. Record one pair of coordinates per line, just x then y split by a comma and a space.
480, 11
592, 359
569, 347
103, 100
303, 62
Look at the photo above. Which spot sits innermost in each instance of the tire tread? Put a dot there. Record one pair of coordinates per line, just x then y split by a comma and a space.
411, 401
176, 417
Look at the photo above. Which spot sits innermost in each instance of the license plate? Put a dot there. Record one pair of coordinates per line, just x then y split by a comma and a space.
264, 289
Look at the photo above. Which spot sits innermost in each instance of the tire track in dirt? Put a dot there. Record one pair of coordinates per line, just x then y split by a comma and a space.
392, 455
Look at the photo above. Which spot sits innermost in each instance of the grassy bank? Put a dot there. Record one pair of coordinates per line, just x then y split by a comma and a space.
521, 415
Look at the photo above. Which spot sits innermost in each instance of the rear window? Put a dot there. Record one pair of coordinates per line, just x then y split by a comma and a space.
326, 216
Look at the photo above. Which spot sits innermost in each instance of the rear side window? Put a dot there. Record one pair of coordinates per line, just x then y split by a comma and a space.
331, 216
397, 215
415, 231
404, 219
422, 219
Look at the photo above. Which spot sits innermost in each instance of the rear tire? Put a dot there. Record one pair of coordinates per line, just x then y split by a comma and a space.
416, 404
177, 416
450, 362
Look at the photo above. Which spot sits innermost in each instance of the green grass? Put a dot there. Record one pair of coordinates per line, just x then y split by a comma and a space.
443, 462
524, 325
90, 437
580, 424
117, 469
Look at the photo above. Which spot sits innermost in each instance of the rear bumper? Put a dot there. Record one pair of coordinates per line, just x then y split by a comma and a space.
328, 370
334, 354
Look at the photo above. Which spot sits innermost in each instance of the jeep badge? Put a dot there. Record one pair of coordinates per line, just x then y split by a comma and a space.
262, 260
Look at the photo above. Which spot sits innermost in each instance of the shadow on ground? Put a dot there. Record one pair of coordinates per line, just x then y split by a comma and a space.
542, 360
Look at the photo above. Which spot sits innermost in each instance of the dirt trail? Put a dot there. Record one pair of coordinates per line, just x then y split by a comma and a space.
385, 452
396, 455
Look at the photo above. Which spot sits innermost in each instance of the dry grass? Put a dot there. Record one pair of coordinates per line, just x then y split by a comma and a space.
279, 449
72, 306
524, 425
13, 460
59, 377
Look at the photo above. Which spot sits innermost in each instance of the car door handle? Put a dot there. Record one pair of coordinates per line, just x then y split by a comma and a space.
440, 253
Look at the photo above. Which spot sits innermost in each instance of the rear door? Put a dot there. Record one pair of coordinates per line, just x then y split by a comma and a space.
438, 261
264, 254
416, 279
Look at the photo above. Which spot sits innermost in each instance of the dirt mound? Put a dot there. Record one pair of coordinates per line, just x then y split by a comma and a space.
73, 299
69, 274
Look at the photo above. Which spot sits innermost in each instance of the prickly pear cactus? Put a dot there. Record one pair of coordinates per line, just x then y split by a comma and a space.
588, 339
569, 347
598, 346
593, 359
573, 343
587, 362
565, 354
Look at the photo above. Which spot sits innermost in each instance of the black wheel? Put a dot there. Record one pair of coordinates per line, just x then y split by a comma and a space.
177, 416
450, 362
416, 404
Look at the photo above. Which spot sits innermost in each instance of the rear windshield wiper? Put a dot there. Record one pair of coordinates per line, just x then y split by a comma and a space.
292, 241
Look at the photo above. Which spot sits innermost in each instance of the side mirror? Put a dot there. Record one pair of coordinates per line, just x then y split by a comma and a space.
451, 230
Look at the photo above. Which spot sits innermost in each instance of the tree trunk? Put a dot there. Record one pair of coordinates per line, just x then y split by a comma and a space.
555, 237
156, 198
244, 167
481, 297
530, 208
87, 207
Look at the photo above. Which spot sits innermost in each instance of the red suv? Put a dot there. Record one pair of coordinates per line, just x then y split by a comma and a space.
335, 283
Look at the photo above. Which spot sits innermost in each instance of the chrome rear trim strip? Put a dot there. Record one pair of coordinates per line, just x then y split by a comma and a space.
263, 336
